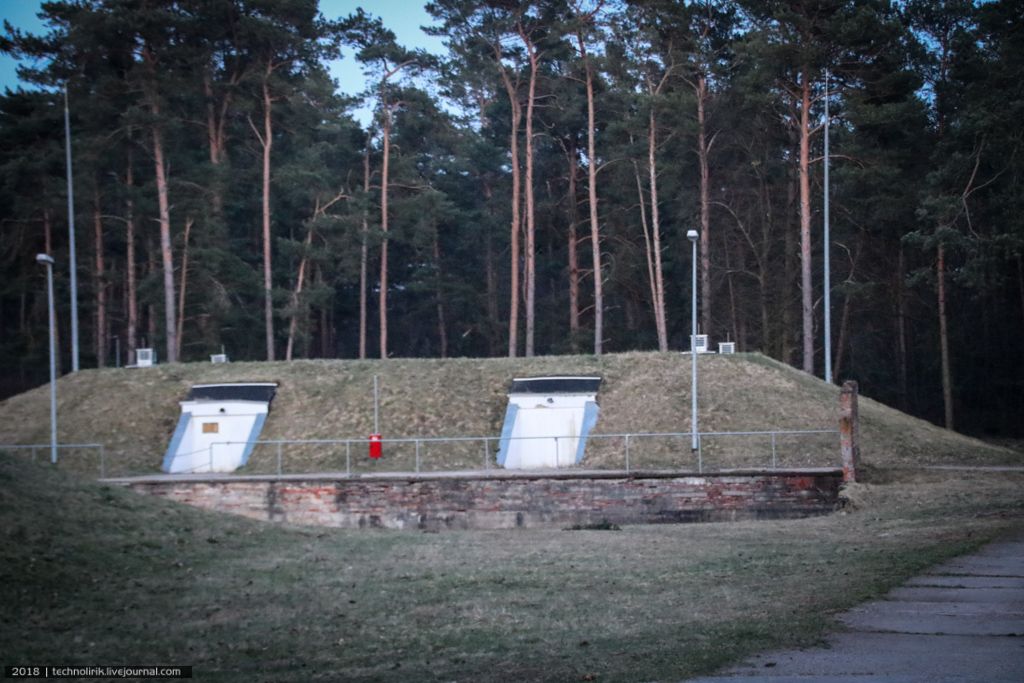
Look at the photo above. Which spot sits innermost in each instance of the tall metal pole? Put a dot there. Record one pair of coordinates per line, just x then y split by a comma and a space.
376, 406
695, 439
828, 274
71, 236
47, 260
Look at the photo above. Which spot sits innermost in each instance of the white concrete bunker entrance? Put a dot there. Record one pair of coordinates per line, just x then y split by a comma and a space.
217, 426
547, 421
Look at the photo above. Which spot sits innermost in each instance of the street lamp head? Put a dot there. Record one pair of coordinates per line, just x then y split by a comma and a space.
691, 235
44, 259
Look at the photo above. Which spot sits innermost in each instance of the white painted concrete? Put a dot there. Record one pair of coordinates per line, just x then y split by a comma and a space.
546, 430
210, 424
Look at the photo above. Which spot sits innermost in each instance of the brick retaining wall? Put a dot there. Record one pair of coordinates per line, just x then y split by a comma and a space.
492, 501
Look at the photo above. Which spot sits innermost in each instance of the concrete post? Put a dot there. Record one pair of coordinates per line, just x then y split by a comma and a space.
849, 430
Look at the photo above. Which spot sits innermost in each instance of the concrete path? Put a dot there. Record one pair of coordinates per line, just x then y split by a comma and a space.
962, 622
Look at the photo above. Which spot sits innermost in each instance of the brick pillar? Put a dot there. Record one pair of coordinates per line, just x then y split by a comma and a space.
849, 430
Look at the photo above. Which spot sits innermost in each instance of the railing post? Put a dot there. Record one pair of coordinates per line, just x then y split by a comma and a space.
417, 455
849, 430
773, 451
700, 455
627, 452
103, 464
279, 457
487, 454
348, 458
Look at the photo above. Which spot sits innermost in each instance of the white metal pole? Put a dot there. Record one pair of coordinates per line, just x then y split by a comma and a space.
695, 440
828, 275
47, 260
376, 406
71, 236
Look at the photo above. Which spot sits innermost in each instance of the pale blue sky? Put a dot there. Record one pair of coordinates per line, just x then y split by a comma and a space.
404, 17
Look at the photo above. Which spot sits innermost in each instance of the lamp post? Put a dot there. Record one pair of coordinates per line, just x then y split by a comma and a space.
47, 260
695, 441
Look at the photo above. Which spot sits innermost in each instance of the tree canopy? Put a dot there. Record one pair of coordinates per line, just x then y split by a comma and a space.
529, 191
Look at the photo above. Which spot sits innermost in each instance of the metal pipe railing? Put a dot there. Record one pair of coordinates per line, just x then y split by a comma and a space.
628, 438
629, 444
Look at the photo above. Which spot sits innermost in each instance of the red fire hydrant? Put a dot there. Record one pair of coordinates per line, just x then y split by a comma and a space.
376, 448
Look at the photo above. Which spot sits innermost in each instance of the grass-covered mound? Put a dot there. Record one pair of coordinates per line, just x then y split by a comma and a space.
133, 412
96, 574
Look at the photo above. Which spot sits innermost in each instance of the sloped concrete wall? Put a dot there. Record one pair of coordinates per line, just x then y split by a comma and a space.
506, 501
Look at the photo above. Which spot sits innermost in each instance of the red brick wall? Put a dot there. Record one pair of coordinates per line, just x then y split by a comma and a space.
498, 501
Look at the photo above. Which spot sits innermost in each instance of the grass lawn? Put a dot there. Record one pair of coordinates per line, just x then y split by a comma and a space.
92, 574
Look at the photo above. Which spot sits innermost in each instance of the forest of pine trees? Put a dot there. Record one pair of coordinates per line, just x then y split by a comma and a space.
529, 191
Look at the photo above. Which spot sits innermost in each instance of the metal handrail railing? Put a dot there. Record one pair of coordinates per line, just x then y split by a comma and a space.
628, 438
486, 440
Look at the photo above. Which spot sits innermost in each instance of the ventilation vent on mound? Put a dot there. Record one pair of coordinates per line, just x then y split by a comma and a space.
145, 358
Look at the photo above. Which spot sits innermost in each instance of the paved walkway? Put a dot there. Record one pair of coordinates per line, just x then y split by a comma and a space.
963, 621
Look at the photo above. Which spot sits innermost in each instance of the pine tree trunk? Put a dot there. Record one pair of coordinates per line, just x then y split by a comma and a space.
806, 293
705, 208
1020, 284
648, 249
513, 311
384, 180
268, 295
573, 257
844, 328
901, 331
595, 232
184, 283
325, 326
786, 350
293, 324
215, 144
947, 375
659, 282
766, 319
364, 252
442, 327
843, 332
167, 256
531, 259
130, 267
148, 311
99, 280
492, 280
764, 256
733, 316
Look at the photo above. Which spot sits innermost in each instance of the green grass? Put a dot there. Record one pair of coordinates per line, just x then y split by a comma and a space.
133, 412
90, 573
